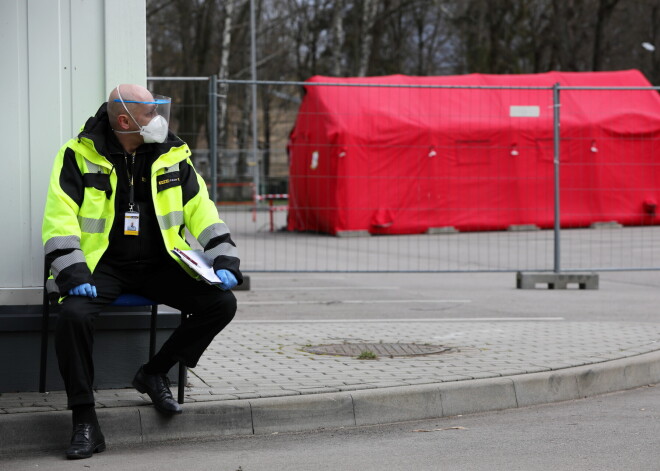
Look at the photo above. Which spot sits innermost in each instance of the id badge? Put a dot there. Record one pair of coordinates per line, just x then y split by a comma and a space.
131, 223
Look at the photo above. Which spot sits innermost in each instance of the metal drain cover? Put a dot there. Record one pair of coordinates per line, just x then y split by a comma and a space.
380, 349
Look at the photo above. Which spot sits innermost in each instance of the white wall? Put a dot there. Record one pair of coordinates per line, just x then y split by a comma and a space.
60, 59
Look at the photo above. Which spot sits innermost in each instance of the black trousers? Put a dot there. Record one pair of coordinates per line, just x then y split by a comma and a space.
210, 308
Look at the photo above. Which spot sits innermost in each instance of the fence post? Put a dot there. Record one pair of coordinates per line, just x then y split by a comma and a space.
556, 141
253, 73
213, 135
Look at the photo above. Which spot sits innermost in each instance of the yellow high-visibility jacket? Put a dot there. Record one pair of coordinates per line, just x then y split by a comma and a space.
80, 209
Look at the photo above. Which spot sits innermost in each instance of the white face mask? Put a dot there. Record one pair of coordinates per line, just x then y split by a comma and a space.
154, 131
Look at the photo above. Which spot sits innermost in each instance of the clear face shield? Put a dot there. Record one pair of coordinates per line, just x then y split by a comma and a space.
157, 111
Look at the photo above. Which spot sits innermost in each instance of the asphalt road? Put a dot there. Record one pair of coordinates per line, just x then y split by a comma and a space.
612, 432
622, 296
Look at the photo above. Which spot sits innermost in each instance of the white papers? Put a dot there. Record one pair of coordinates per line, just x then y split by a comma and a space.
198, 262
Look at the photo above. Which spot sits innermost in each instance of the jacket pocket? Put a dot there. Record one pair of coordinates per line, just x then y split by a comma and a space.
100, 181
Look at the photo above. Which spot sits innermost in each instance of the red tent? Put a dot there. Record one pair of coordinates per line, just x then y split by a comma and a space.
401, 160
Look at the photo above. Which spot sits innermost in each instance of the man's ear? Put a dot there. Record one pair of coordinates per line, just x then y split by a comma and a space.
123, 121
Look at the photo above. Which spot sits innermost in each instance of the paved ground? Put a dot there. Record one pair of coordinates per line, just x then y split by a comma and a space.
267, 359
257, 377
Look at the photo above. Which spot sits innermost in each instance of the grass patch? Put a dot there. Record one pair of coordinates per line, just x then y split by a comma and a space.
367, 355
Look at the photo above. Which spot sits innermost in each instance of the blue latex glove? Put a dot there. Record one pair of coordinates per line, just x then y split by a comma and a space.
84, 290
228, 279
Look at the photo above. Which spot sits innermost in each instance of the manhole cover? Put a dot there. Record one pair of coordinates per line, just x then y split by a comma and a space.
379, 349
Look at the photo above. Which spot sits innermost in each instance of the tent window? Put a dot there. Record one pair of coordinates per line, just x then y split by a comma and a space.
474, 151
545, 149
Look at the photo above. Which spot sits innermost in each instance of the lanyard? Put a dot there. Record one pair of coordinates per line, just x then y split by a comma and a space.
131, 187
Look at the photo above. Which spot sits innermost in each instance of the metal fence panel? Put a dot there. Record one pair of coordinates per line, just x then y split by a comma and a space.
625, 154
256, 209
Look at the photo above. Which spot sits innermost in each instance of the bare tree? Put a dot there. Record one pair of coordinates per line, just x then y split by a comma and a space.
563, 35
605, 10
300, 38
337, 37
654, 36
369, 9
419, 14
182, 46
223, 73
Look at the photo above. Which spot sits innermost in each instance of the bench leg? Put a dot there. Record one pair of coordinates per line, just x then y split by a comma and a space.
152, 330
45, 311
44, 347
183, 374
183, 371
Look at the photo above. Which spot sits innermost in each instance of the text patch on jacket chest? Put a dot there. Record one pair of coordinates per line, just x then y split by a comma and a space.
168, 180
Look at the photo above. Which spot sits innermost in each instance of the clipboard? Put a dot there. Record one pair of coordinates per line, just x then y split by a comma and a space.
199, 263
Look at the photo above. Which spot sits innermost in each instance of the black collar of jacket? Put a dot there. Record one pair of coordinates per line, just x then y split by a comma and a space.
98, 130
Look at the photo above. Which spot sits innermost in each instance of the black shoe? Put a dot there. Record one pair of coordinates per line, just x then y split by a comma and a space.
86, 440
157, 387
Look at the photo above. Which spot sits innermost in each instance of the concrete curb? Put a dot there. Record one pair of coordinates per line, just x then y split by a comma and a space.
130, 425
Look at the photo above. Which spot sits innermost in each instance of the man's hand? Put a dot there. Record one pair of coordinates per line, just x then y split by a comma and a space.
228, 279
84, 290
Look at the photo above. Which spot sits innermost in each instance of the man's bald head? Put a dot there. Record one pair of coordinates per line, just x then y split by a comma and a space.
128, 92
